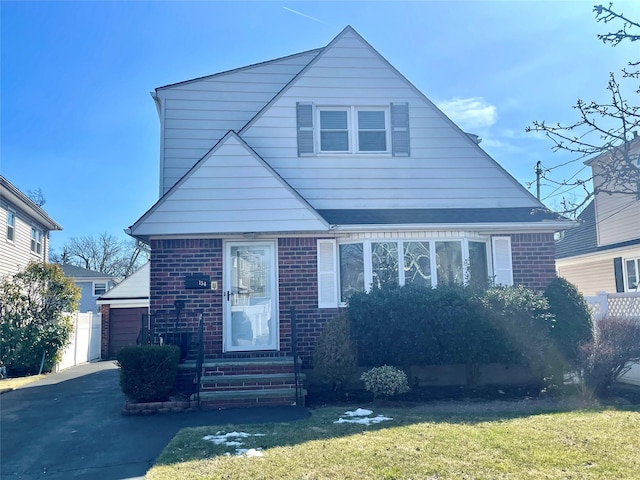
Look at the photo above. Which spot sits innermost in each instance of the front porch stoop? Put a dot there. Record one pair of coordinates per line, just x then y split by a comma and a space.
248, 382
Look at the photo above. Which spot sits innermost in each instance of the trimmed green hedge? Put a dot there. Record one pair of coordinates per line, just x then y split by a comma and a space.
450, 324
148, 372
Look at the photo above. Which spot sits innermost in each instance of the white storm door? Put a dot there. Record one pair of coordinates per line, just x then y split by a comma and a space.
250, 297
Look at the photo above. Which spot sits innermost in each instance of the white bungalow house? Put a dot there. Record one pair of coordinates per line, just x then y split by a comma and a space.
288, 184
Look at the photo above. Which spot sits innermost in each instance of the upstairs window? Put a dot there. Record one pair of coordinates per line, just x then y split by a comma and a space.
99, 288
36, 241
353, 129
334, 130
11, 225
372, 130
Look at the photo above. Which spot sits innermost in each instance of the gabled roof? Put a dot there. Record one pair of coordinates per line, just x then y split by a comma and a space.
254, 66
134, 287
79, 273
230, 190
14, 196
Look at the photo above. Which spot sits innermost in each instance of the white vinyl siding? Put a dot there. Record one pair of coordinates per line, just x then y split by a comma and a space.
195, 115
445, 168
230, 191
16, 254
617, 218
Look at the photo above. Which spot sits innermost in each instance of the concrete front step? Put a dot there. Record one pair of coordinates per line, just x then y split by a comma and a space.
249, 398
246, 382
211, 381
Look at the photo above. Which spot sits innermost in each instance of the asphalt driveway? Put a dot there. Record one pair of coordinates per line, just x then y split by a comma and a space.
69, 426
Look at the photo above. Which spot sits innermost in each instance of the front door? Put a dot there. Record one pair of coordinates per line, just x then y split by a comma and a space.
250, 297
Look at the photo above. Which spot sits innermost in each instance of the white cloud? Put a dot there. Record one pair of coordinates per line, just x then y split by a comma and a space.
470, 113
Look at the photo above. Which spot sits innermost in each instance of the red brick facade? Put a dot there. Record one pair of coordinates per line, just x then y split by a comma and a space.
171, 260
533, 257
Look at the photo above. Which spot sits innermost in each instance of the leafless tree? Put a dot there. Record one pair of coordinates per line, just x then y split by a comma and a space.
37, 196
103, 253
604, 133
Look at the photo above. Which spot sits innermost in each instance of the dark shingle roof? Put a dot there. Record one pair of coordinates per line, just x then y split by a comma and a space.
78, 272
437, 215
582, 238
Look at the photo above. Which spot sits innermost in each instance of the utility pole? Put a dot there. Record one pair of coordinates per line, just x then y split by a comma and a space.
538, 175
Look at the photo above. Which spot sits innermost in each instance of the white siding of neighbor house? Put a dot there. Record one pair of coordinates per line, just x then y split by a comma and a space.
445, 169
16, 255
617, 218
590, 276
229, 191
195, 115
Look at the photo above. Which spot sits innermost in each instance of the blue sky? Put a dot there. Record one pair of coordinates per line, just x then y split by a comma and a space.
77, 120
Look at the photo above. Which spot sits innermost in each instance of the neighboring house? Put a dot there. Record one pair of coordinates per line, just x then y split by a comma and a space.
289, 184
25, 230
92, 284
123, 309
602, 254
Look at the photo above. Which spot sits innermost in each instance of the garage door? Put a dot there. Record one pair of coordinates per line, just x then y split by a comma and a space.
124, 327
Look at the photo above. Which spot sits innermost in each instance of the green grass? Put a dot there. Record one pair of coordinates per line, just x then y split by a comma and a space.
452, 441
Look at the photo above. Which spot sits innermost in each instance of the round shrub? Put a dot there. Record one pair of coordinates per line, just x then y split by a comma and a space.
385, 381
573, 326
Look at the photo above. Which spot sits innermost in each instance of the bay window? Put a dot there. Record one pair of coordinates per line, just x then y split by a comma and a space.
372, 264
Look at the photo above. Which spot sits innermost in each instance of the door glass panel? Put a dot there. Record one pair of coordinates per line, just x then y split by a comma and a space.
449, 262
251, 297
384, 264
417, 264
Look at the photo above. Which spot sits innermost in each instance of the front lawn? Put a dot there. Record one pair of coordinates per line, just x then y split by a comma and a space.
448, 440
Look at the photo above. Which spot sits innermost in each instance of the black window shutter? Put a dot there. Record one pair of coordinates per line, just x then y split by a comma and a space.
304, 113
400, 129
619, 274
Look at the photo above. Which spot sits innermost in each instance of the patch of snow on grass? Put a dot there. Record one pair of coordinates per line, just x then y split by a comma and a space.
362, 417
360, 412
231, 440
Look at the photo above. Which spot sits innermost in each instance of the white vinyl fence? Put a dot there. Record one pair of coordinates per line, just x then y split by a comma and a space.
85, 340
619, 305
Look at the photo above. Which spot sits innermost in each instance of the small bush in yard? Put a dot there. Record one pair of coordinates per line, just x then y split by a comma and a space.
148, 372
385, 381
335, 359
573, 323
33, 328
615, 343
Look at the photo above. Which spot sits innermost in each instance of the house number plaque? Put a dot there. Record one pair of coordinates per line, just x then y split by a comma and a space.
197, 282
